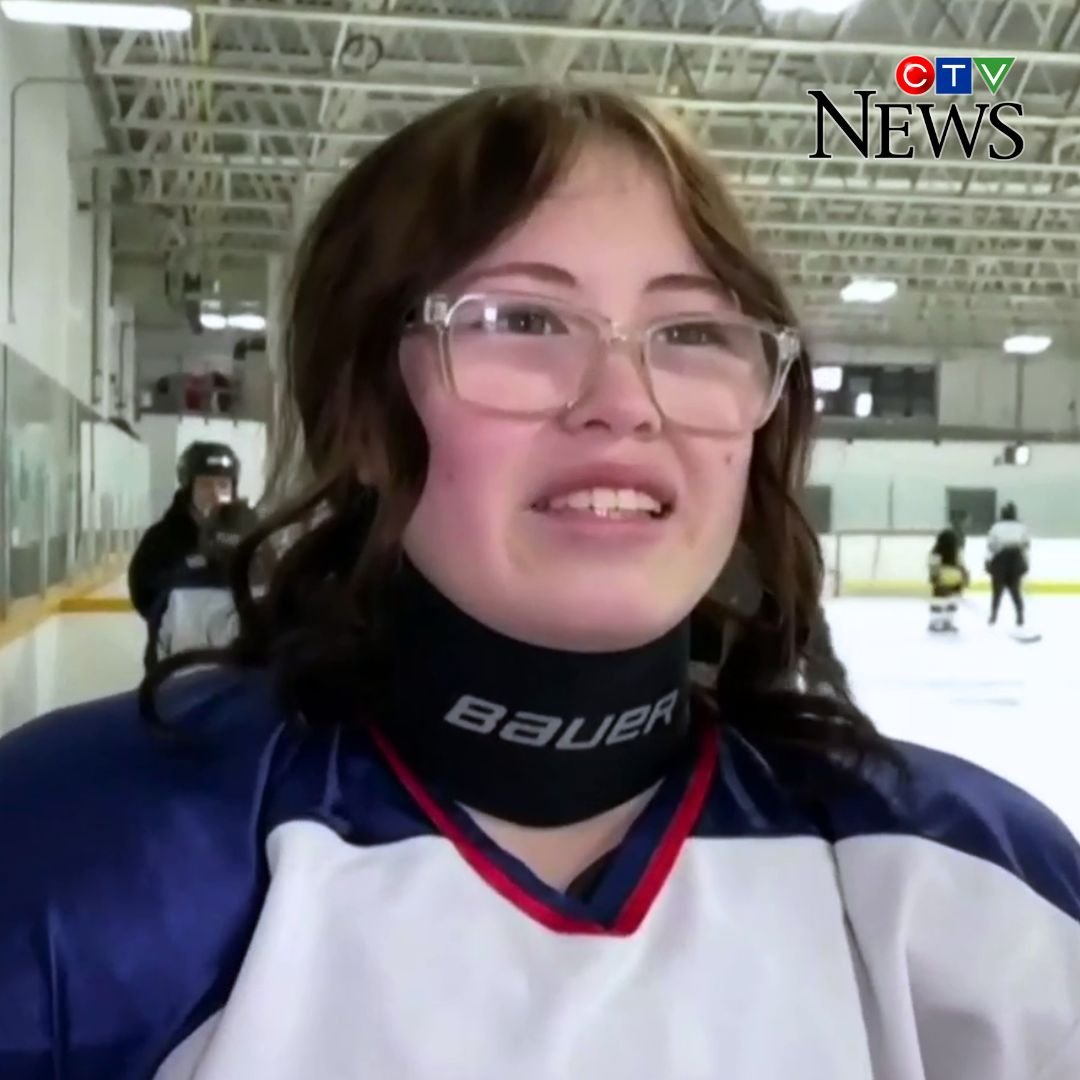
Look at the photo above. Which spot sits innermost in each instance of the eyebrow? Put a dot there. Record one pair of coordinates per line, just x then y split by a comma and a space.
546, 272
556, 275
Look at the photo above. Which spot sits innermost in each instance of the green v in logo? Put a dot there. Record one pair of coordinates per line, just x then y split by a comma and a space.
993, 70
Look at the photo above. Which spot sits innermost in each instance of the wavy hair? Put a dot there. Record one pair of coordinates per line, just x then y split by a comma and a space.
351, 454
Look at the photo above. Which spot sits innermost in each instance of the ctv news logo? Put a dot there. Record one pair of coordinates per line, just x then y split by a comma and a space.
907, 129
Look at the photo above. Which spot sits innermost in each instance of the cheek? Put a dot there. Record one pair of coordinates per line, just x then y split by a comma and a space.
471, 464
720, 481
728, 471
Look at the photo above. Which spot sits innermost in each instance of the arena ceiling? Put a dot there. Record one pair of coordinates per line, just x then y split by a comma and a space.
218, 137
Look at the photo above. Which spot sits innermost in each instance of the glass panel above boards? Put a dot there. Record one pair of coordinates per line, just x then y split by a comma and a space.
73, 487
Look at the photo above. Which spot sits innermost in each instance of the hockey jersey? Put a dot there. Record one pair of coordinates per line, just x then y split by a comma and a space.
196, 612
1007, 534
254, 899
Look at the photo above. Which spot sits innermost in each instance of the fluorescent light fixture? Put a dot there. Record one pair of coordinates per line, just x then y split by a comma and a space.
113, 16
868, 291
1027, 344
247, 320
828, 377
864, 404
212, 320
818, 7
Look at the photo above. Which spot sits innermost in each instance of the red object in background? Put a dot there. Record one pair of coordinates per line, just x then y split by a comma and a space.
196, 392
208, 392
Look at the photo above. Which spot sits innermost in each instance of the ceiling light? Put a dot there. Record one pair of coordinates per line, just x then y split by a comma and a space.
113, 16
828, 378
864, 404
212, 320
1027, 344
247, 320
868, 291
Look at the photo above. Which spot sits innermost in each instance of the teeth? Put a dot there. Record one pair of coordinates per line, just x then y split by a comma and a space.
605, 501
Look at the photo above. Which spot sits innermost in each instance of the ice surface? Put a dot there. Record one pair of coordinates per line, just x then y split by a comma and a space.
1013, 708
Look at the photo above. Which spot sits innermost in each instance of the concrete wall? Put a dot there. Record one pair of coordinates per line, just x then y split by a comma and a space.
59, 316
890, 485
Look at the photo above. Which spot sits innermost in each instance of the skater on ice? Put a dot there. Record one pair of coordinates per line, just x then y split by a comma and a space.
948, 579
1007, 561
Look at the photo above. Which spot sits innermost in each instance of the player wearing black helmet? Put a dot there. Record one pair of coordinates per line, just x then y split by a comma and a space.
207, 474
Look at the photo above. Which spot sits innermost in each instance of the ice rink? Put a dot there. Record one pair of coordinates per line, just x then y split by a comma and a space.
1010, 707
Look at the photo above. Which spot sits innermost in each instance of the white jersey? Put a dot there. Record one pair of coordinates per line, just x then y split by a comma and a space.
1007, 534
197, 617
268, 902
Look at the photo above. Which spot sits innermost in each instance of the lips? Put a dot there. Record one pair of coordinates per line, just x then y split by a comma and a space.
607, 490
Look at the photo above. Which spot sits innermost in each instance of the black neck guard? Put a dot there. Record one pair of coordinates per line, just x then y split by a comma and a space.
528, 734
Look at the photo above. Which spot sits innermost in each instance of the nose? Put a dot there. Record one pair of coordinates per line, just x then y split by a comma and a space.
616, 396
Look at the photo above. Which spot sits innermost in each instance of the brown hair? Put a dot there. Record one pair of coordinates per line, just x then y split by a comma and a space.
414, 211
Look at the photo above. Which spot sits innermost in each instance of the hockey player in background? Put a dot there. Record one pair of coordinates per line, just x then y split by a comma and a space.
1007, 549
207, 475
948, 579
197, 609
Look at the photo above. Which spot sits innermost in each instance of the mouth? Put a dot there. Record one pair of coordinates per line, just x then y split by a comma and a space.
613, 504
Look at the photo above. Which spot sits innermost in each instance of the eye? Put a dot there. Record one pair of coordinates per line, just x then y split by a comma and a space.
701, 333
522, 319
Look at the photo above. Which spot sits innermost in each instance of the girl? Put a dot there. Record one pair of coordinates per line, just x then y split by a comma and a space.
948, 579
1007, 546
451, 809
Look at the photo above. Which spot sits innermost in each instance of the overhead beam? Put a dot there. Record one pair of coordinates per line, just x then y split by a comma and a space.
937, 231
646, 36
286, 164
766, 187
301, 80
875, 229
875, 193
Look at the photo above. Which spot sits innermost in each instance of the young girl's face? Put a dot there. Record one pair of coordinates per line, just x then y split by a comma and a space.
515, 521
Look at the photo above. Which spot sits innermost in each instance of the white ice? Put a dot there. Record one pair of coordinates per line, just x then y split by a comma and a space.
1011, 707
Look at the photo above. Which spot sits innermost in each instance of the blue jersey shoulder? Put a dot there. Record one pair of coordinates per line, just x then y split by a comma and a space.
93, 749
764, 790
95, 780
956, 803
132, 869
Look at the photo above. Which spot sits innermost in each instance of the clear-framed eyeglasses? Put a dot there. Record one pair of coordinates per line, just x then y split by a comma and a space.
531, 357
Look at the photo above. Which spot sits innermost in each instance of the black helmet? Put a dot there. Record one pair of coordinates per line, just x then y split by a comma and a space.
207, 459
